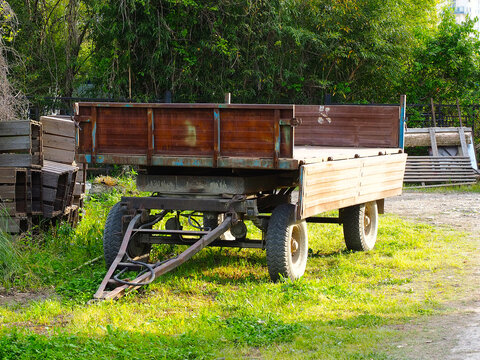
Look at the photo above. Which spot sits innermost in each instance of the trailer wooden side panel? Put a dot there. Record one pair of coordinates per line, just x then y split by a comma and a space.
333, 185
348, 125
202, 135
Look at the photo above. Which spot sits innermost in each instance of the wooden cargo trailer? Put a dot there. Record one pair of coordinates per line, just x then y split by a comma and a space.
228, 163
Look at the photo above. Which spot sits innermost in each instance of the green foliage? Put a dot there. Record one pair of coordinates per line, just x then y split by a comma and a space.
276, 51
51, 40
289, 51
446, 65
258, 332
10, 261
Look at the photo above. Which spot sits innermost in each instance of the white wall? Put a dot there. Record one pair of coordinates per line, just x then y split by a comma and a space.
464, 7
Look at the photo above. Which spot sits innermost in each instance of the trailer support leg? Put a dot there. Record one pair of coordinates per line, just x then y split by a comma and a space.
157, 269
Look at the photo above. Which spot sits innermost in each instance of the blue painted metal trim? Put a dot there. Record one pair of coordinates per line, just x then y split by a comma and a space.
189, 161
94, 134
216, 114
401, 134
153, 130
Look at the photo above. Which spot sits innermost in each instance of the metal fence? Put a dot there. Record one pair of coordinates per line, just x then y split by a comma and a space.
64, 105
440, 115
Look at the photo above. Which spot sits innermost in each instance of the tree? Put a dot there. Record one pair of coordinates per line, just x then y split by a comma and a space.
446, 66
261, 51
51, 40
12, 104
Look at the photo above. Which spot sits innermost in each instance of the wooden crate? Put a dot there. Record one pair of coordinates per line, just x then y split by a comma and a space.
58, 139
71, 215
13, 191
80, 185
34, 192
58, 182
21, 144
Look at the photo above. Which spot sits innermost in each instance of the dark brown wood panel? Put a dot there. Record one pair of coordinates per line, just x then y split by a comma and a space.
183, 131
118, 130
347, 125
247, 133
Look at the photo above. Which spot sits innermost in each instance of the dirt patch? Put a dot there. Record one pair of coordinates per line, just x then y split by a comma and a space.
458, 210
457, 335
22, 298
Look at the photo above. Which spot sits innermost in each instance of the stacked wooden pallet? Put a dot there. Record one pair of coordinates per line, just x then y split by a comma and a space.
38, 173
21, 158
439, 170
64, 187
21, 144
13, 198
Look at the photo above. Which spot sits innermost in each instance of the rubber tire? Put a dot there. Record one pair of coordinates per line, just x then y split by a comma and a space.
281, 227
113, 237
359, 237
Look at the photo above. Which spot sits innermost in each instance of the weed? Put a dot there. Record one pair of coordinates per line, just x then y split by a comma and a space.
258, 332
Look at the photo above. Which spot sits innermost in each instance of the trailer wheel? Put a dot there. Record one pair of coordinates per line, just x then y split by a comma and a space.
113, 237
360, 225
286, 244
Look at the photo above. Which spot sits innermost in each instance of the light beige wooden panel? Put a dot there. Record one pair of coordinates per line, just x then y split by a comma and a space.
337, 184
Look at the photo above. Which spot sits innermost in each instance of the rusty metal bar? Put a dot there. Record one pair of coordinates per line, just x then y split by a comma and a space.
246, 244
121, 253
164, 267
151, 134
173, 203
172, 232
94, 133
187, 105
276, 137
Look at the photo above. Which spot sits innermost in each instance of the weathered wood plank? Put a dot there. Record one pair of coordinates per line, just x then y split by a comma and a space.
7, 175
13, 225
49, 194
335, 184
59, 142
58, 126
433, 142
9, 208
463, 143
19, 160
58, 155
7, 192
14, 128
15, 143
78, 190
439, 169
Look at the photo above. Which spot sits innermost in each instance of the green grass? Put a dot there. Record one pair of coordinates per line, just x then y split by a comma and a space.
222, 304
475, 188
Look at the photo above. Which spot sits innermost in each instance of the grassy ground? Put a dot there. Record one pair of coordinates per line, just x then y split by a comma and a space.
221, 304
448, 189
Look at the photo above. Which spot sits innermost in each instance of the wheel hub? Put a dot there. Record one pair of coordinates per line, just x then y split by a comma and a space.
367, 221
294, 246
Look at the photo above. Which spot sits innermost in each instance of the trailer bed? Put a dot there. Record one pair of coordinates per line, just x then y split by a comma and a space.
337, 156
233, 135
